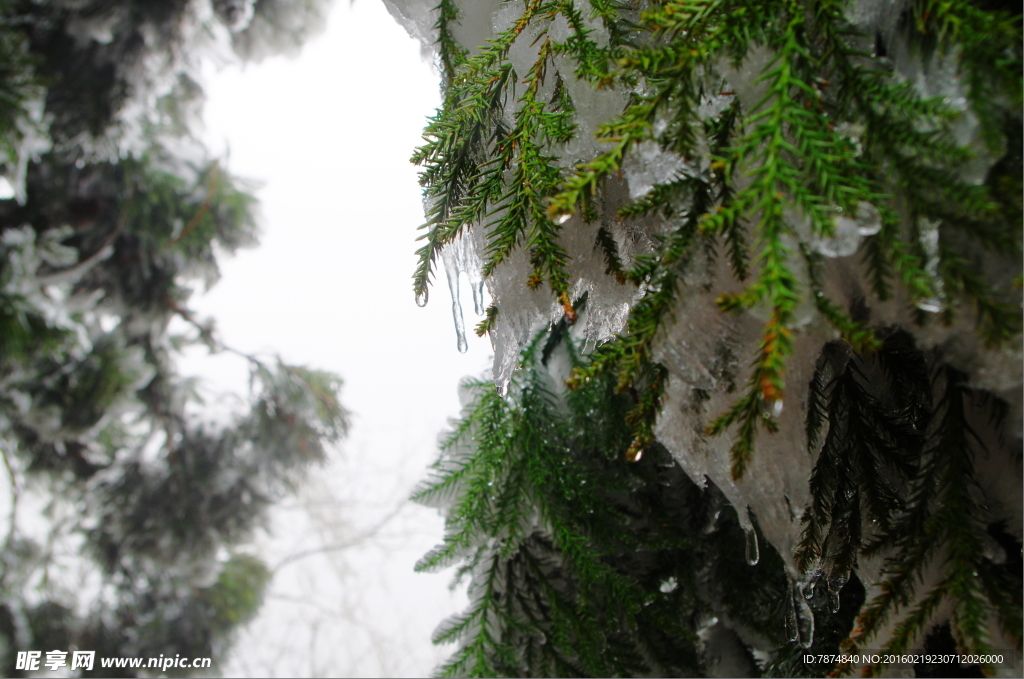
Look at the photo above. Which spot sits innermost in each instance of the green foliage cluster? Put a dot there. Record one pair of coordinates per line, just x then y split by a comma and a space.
581, 564
835, 133
236, 596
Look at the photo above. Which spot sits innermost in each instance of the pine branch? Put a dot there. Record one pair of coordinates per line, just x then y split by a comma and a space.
943, 518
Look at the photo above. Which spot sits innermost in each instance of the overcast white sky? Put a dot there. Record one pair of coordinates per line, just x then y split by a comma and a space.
329, 135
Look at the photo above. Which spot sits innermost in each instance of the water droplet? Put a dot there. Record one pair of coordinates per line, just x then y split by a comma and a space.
869, 221
932, 306
562, 219
421, 298
753, 551
776, 407
843, 240
668, 585
808, 590
639, 454
838, 579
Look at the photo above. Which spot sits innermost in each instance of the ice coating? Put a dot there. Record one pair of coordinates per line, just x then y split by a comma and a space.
525, 49
522, 313
649, 165
418, 18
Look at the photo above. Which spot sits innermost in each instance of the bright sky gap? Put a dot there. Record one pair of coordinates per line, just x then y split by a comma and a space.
329, 286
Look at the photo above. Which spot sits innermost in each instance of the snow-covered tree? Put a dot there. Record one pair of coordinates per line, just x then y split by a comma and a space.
129, 508
755, 273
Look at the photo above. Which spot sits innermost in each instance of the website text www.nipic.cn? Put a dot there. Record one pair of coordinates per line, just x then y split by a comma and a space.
34, 661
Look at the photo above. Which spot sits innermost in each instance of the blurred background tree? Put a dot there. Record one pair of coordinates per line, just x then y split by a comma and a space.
128, 511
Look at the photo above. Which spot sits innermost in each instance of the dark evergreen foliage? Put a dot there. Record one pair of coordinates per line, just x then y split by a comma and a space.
583, 564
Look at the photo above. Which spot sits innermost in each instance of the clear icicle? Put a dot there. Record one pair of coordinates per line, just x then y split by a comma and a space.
452, 256
753, 550
805, 621
929, 238
478, 297
792, 629
836, 581
470, 265
799, 616
460, 331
